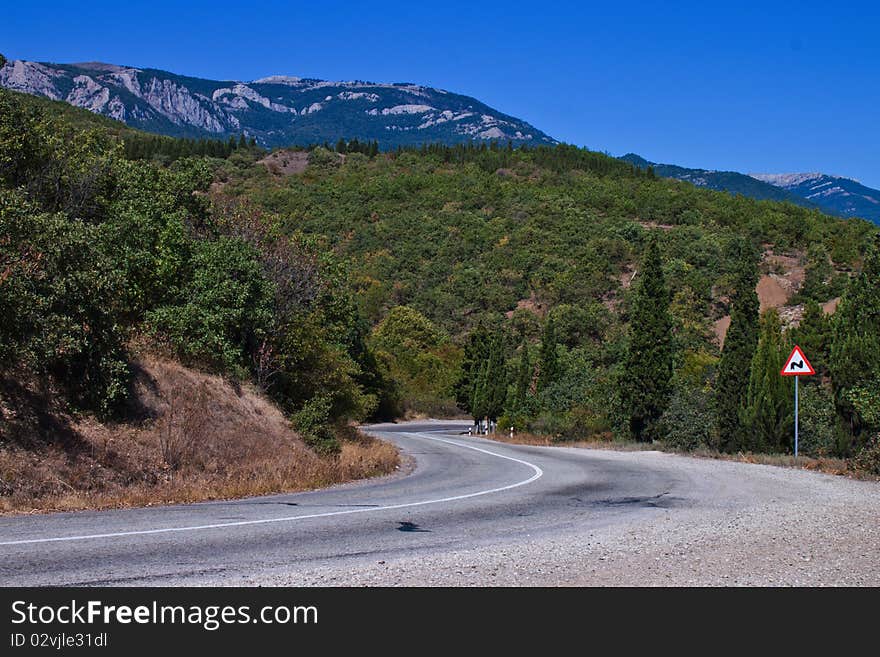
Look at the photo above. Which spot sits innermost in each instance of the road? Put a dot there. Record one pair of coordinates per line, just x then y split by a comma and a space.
472, 511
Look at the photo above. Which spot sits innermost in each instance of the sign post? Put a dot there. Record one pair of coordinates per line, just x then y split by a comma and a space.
797, 366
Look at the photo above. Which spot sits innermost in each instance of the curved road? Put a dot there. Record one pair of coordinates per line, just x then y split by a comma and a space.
471, 511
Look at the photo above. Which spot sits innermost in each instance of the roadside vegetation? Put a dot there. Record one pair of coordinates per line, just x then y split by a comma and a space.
99, 253
577, 297
553, 289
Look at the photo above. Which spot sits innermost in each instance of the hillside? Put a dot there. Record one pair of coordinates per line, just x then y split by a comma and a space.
836, 195
276, 110
461, 233
189, 436
512, 280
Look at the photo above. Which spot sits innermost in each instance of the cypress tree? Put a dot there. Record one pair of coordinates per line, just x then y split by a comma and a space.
854, 361
478, 401
648, 367
476, 352
548, 365
242, 141
488, 390
813, 335
768, 414
494, 383
734, 368
523, 379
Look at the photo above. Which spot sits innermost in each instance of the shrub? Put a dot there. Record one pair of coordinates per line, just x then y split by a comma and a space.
816, 419
58, 297
868, 459
689, 421
312, 421
224, 309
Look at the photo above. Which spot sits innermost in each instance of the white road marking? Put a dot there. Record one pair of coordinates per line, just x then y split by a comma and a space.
538, 473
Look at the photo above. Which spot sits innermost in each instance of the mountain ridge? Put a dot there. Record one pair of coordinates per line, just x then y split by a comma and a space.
724, 181
836, 195
276, 110
840, 195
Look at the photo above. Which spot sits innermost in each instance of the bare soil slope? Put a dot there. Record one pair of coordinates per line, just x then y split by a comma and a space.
192, 436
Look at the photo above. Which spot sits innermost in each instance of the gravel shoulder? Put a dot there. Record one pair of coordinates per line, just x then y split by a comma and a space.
757, 525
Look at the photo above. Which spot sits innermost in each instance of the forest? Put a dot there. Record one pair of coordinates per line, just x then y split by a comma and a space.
554, 289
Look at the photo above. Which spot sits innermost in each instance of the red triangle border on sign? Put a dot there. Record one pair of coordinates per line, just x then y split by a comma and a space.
800, 354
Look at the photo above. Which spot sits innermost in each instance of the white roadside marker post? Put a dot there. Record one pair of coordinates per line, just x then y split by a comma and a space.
797, 366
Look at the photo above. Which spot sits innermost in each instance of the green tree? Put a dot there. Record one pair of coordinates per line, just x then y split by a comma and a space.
734, 368
854, 361
224, 310
769, 413
548, 363
523, 383
490, 390
419, 356
648, 367
476, 352
817, 275
59, 298
524, 377
813, 335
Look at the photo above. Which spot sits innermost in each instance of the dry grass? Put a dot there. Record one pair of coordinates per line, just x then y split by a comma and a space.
193, 437
826, 464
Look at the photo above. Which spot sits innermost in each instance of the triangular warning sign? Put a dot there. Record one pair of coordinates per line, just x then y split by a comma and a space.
797, 364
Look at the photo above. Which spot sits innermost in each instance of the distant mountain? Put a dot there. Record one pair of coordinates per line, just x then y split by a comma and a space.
276, 111
723, 181
844, 197
841, 197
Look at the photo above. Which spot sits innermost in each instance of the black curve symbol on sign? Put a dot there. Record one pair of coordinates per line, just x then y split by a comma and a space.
797, 365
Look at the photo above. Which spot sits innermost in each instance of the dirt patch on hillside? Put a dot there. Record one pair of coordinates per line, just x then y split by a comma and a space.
830, 306
772, 292
720, 327
653, 225
532, 304
285, 163
627, 276
192, 436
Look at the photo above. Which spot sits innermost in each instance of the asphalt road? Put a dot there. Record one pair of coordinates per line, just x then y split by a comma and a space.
462, 495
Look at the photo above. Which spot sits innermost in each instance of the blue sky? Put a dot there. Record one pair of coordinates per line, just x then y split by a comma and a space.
741, 86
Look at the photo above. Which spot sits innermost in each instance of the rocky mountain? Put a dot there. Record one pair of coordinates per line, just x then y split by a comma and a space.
276, 111
844, 197
723, 181
841, 197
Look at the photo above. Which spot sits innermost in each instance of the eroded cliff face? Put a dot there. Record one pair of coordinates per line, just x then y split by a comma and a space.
276, 110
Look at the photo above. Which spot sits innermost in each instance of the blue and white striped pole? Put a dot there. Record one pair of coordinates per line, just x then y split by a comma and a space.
796, 416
